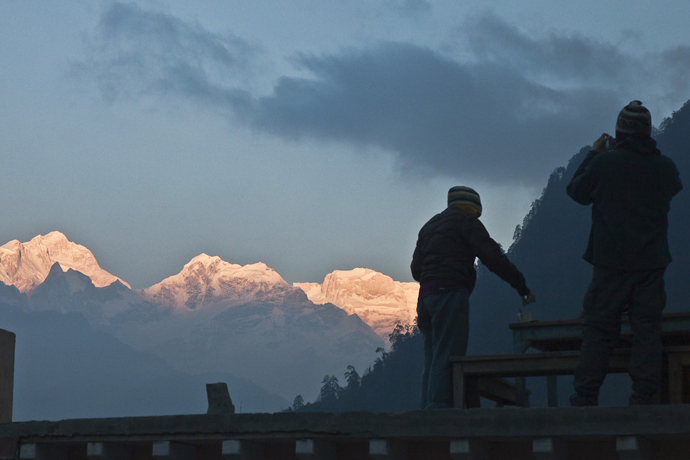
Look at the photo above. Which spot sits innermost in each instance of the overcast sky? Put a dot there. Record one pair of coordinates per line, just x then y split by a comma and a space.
311, 135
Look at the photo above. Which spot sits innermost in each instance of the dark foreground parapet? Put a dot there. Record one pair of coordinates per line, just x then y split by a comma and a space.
648, 432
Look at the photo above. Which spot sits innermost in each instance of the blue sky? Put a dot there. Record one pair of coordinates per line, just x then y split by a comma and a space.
308, 135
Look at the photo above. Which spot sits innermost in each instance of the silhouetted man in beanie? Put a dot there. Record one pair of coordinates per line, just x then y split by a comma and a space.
630, 185
443, 263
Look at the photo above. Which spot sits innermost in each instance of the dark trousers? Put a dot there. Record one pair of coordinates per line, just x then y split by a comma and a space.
444, 321
610, 294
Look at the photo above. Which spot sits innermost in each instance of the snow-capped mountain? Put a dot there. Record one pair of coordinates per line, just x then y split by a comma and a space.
26, 265
213, 316
207, 280
380, 301
249, 321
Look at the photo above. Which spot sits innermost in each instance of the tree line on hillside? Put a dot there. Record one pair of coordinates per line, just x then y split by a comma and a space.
391, 384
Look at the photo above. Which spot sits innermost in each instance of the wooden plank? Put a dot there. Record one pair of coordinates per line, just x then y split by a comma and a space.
675, 379
500, 391
567, 334
523, 356
552, 390
458, 386
532, 364
518, 367
471, 391
521, 392
678, 374
473, 374
546, 324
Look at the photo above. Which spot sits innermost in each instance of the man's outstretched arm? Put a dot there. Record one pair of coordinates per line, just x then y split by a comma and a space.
491, 255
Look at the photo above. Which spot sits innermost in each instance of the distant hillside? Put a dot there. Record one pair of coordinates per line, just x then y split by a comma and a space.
66, 369
549, 246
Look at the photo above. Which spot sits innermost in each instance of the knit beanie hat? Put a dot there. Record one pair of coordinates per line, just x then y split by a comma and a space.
465, 198
634, 119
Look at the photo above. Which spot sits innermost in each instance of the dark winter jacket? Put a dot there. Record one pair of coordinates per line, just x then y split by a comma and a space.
447, 247
630, 189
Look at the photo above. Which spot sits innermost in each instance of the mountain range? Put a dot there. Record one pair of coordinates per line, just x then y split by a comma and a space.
212, 317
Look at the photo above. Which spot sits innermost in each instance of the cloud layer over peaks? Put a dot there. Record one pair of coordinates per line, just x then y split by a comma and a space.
511, 110
135, 52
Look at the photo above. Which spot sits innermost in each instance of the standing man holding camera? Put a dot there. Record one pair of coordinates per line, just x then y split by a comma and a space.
443, 263
629, 184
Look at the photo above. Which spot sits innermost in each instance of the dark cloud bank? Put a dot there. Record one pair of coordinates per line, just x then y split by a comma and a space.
518, 108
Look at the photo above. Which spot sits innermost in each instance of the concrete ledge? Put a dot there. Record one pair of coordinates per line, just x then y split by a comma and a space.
616, 433
453, 424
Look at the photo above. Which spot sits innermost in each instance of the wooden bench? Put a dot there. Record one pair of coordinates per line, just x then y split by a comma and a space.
472, 375
499, 390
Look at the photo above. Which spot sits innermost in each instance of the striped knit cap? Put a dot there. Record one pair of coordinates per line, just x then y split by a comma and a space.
465, 198
634, 119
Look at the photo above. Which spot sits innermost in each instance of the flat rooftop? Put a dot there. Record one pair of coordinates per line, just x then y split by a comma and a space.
654, 432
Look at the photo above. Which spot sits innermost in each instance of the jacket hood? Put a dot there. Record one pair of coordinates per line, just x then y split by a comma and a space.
643, 145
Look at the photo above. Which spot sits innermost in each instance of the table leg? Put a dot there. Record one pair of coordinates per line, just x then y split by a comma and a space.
675, 378
458, 387
552, 390
521, 392
472, 399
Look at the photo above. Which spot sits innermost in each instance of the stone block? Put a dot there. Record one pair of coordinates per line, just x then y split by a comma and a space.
219, 402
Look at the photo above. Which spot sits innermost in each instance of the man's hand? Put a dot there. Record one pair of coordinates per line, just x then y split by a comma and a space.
528, 299
600, 145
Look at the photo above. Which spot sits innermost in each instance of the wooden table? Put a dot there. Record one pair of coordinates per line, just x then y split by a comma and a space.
549, 336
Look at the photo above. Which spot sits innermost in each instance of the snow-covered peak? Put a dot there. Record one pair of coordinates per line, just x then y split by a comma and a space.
26, 265
207, 280
380, 301
214, 266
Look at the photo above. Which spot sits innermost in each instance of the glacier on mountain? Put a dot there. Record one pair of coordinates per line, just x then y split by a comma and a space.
207, 280
26, 265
